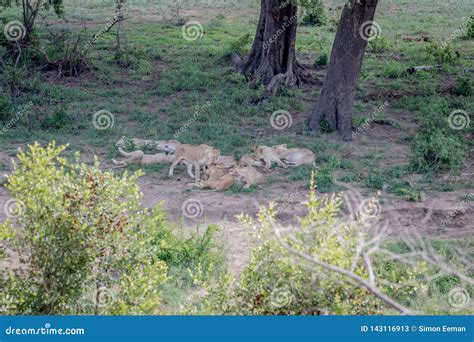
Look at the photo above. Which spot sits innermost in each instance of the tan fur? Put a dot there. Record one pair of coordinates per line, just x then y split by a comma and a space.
249, 175
218, 179
269, 156
138, 143
169, 146
194, 156
248, 160
139, 157
227, 161
295, 156
213, 172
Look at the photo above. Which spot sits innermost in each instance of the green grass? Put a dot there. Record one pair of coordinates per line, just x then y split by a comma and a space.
162, 78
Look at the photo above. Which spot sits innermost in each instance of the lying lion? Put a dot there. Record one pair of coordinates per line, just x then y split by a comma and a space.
168, 146
249, 175
218, 179
139, 157
295, 156
268, 156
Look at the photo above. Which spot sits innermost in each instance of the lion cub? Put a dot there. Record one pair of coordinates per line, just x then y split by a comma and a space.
248, 160
227, 161
249, 175
194, 156
269, 156
218, 179
139, 157
295, 156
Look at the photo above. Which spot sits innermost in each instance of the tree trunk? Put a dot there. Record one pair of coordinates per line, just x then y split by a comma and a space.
337, 97
272, 60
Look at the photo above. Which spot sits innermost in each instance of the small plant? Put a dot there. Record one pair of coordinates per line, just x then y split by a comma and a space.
322, 59
324, 125
58, 119
324, 179
435, 149
378, 45
470, 28
442, 54
313, 13
5, 107
393, 70
239, 46
463, 86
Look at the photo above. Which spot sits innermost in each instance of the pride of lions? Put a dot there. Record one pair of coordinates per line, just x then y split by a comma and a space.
212, 170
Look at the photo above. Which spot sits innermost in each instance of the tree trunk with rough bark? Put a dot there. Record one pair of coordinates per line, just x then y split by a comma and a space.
272, 60
337, 96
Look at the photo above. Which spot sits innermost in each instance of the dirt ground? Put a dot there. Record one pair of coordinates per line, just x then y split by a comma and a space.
442, 215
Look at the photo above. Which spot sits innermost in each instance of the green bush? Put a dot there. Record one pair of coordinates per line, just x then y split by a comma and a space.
441, 54
435, 149
470, 28
322, 59
463, 86
86, 244
5, 107
276, 282
313, 13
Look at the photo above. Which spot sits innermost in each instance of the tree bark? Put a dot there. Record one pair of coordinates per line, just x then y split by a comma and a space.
337, 96
272, 59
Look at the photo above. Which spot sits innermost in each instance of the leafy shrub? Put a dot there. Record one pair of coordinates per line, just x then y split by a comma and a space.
434, 149
463, 86
313, 13
324, 179
5, 107
378, 45
470, 28
58, 119
322, 59
86, 245
273, 284
442, 54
